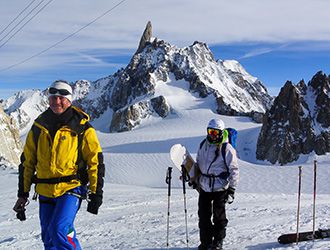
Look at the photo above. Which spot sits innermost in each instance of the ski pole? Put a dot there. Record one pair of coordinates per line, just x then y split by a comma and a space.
298, 210
168, 181
185, 177
314, 197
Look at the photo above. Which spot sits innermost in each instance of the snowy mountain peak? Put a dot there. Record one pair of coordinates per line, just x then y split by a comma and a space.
131, 95
25, 106
235, 66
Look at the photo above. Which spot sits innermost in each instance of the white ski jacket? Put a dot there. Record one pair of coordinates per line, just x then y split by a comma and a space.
208, 164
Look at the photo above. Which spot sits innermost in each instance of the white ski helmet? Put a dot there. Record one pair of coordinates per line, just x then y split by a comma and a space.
61, 88
216, 124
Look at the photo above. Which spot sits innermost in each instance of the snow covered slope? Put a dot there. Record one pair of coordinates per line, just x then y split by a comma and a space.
134, 212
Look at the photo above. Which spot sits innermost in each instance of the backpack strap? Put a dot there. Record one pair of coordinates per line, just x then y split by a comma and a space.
216, 153
36, 133
223, 153
202, 143
81, 163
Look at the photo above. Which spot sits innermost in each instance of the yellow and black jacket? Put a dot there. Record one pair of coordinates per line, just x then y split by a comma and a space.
61, 153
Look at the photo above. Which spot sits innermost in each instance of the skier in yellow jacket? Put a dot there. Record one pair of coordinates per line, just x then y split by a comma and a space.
63, 157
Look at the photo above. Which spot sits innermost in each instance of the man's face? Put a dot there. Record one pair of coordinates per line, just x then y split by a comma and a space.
58, 104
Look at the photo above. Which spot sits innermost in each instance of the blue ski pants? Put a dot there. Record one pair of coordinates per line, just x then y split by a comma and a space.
57, 216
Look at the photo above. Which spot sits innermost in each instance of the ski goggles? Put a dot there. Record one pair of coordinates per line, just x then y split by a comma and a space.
214, 132
55, 91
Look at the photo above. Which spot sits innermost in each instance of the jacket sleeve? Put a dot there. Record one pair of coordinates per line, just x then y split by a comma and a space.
92, 154
231, 159
194, 171
27, 166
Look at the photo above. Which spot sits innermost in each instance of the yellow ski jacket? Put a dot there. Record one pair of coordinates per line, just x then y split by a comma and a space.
73, 157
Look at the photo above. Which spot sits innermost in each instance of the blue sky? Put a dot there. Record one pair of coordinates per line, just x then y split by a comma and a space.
275, 40
279, 62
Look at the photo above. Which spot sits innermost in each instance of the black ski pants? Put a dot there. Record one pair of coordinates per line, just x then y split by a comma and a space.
212, 203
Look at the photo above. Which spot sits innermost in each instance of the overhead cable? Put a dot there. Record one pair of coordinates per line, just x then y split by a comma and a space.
25, 22
64, 39
17, 16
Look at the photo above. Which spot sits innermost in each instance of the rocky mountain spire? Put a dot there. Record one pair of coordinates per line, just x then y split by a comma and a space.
146, 37
297, 123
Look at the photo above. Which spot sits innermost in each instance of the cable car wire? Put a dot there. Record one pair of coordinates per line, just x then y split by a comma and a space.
64, 39
24, 23
17, 16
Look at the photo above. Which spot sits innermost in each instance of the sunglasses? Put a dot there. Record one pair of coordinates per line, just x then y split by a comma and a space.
54, 91
214, 132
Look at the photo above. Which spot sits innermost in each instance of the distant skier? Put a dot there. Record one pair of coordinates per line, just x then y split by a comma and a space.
61, 155
218, 178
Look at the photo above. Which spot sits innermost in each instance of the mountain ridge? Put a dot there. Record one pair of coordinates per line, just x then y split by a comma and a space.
129, 94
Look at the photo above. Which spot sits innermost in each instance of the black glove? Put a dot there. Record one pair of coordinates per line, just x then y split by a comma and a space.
193, 184
19, 208
230, 195
21, 215
95, 201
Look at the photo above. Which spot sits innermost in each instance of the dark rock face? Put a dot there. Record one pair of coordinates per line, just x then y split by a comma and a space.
257, 116
223, 107
320, 85
160, 106
297, 123
127, 118
146, 37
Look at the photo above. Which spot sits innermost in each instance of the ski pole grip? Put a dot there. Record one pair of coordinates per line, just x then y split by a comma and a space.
168, 179
168, 175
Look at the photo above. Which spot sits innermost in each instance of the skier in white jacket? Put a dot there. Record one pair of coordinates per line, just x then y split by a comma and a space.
216, 179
